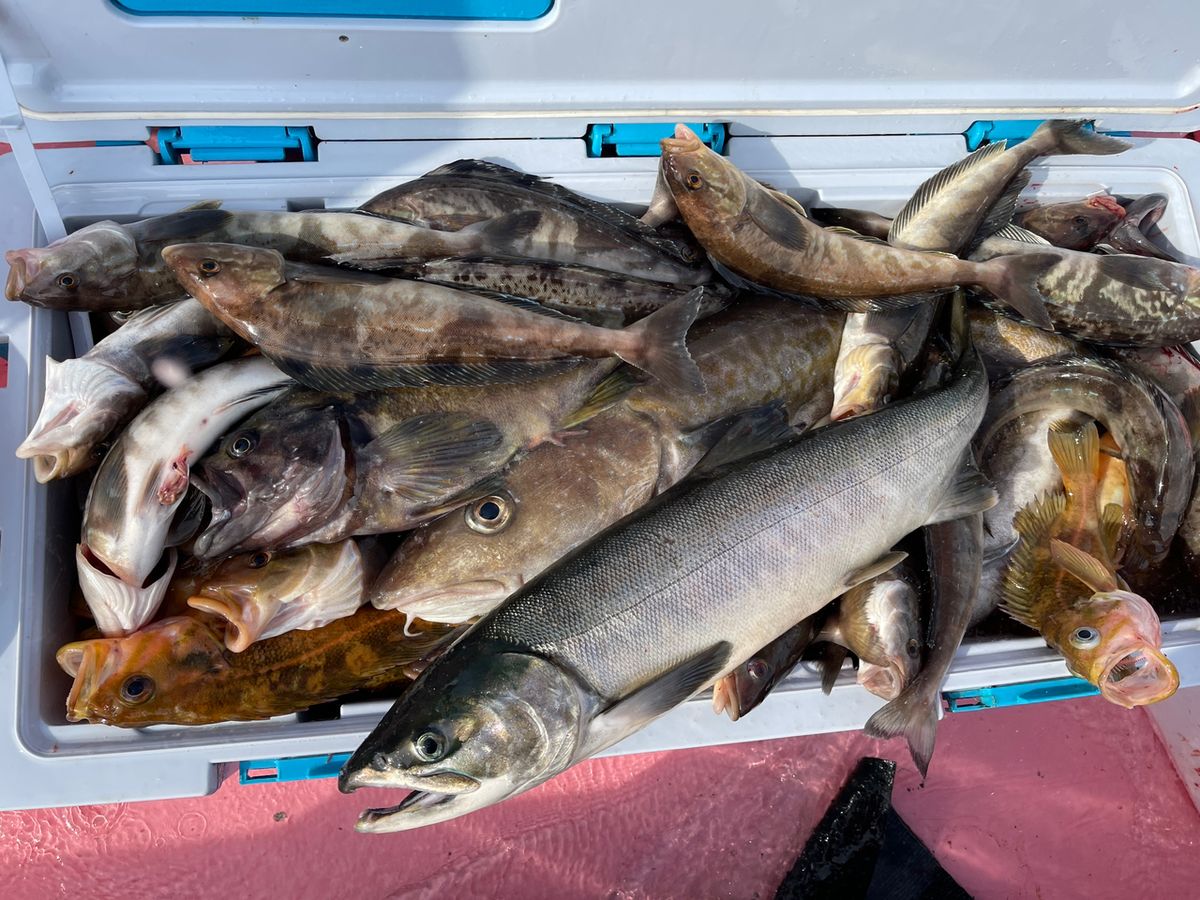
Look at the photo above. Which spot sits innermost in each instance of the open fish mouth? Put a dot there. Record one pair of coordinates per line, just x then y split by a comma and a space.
882, 681
1140, 677
223, 530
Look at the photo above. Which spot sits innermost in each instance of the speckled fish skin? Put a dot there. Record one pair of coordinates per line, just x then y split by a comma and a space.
570, 228
876, 350
334, 332
89, 397
1076, 224
719, 569
145, 475
311, 471
594, 295
120, 267
195, 680
758, 351
1119, 299
749, 230
1007, 345
1144, 422
948, 209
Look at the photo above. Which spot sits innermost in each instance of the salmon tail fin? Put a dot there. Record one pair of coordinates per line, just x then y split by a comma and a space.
1062, 137
662, 345
1076, 452
913, 714
1014, 279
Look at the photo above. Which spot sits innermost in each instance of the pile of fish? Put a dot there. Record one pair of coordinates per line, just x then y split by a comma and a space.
545, 470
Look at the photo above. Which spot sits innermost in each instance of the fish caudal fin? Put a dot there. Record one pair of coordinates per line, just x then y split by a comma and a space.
1076, 452
662, 346
1014, 279
1062, 137
913, 714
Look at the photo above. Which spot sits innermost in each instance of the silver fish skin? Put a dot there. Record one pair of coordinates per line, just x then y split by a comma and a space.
947, 210
145, 475
716, 571
1121, 300
1146, 425
89, 397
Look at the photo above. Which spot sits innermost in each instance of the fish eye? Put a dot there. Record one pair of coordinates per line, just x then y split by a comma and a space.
241, 445
1081, 221
137, 689
67, 280
912, 648
490, 515
694, 181
1085, 638
260, 559
756, 669
430, 746
209, 267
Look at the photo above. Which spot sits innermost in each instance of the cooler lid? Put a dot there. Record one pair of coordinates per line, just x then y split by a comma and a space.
1131, 65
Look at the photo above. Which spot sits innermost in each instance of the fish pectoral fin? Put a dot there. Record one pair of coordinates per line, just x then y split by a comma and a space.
652, 700
969, 494
885, 563
738, 435
851, 233
831, 659
1091, 571
777, 219
1144, 274
1011, 232
1001, 213
509, 227
427, 457
607, 393
1112, 523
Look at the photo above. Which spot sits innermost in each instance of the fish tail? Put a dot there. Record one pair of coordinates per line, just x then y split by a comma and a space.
661, 345
1014, 279
1076, 452
913, 714
1061, 137
831, 659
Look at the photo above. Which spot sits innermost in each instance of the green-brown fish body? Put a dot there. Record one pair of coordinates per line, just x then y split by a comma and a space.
334, 332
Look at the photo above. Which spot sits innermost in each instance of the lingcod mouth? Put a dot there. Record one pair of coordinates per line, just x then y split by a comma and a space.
1140, 677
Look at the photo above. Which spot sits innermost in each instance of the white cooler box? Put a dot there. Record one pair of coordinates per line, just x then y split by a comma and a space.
849, 108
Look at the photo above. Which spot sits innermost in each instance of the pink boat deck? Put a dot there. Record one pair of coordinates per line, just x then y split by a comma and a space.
1063, 800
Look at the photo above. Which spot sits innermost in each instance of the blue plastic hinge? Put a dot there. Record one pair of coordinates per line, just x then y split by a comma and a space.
1012, 130
1019, 694
292, 768
235, 143
641, 139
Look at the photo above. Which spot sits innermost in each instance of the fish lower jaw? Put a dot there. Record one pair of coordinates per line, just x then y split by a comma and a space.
1139, 677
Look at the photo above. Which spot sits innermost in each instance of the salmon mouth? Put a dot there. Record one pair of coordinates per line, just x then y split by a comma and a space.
1138, 678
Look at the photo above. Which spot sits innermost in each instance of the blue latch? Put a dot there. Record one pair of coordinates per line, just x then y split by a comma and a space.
1012, 130
1019, 694
641, 139
234, 143
292, 768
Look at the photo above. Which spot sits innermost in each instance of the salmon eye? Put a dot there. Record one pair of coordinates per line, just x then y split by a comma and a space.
430, 746
241, 445
912, 648
137, 689
491, 514
694, 181
260, 559
1085, 638
209, 267
67, 280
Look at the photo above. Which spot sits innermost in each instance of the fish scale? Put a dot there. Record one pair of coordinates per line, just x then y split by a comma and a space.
738, 558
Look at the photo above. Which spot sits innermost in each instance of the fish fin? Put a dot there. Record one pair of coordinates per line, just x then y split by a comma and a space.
1020, 583
1063, 137
179, 226
492, 484
1138, 272
790, 201
885, 563
1076, 452
936, 184
1013, 232
1145, 211
378, 377
1083, 566
651, 700
738, 435
831, 660
506, 228
1014, 279
970, 493
423, 458
203, 204
1001, 213
608, 392
851, 233
777, 219
663, 351
1127, 239
913, 714
1112, 524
